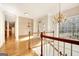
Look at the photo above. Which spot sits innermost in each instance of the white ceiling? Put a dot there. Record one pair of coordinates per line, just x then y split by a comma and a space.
35, 10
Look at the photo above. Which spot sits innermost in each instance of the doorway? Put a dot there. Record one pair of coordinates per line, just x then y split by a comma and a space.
9, 30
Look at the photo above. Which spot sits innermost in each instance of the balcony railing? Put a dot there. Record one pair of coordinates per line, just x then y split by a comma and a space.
49, 45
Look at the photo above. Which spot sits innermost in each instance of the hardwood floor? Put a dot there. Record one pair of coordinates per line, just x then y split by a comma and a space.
13, 48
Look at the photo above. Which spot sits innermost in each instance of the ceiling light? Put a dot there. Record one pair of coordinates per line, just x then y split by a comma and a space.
60, 16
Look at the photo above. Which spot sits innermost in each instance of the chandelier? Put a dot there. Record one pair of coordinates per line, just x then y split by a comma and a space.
60, 17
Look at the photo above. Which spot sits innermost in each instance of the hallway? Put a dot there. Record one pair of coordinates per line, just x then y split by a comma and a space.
21, 49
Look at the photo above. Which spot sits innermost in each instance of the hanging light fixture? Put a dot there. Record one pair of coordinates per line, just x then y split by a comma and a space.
60, 17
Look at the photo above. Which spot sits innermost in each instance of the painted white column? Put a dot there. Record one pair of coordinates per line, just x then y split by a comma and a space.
57, 32
16, 29
49, 23
56, 28
35, 27
2, 29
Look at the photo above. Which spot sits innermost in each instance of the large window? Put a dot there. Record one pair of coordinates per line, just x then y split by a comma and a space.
70, 28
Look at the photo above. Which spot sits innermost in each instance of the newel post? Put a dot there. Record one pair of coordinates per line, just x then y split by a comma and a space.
41, 43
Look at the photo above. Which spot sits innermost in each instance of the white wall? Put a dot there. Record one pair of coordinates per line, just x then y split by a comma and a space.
43, 26
23, 26
2, 29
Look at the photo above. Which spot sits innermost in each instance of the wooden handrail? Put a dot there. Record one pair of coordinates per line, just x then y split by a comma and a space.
61, 39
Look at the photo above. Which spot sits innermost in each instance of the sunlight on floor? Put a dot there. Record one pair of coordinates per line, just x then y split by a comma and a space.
26, 38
